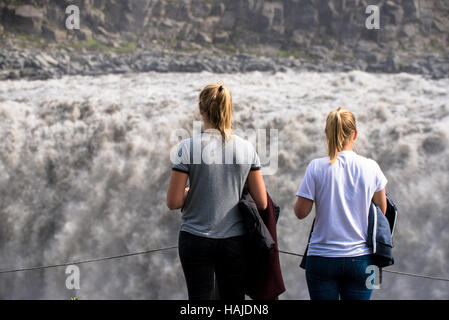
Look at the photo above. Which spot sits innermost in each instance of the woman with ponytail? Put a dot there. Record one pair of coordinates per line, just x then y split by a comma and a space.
212, 237
342, 186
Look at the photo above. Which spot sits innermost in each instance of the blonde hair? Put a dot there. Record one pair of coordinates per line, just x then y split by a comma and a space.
340, 125
216, 106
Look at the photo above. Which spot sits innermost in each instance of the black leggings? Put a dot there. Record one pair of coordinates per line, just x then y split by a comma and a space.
202, 257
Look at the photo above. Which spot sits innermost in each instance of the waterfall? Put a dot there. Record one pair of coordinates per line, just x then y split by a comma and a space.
84, 167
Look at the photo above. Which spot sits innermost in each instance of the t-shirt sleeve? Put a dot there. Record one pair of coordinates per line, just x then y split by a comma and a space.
381, 180
307, 187
182, 159
255, 162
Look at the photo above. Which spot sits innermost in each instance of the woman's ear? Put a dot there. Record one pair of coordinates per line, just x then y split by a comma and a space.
355, 135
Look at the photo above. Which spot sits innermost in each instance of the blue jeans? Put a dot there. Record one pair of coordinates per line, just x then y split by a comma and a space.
334, 278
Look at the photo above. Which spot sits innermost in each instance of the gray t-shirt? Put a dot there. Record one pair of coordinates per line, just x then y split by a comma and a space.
217, 174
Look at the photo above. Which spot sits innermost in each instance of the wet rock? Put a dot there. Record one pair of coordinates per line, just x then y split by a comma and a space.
4, 75
392, 63
227, 21
50, 64
44, 60
122, 69
75, 68
52, 34
411, 10
202, 39
186, 66
200, 9
217, 9
221, 38
393, 11
24, 18
83, 34
258, 65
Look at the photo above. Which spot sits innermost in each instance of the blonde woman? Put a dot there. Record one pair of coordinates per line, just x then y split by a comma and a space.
217, 164
342, 186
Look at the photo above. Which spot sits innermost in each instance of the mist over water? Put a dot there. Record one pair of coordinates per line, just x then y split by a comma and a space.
84, 168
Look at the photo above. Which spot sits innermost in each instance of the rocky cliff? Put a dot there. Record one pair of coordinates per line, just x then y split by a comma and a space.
412, 32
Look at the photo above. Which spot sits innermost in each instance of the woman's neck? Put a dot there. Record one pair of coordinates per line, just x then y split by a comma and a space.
348, 147
208, 126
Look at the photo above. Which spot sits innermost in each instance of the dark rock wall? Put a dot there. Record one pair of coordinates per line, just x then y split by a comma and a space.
323, 35
279, 25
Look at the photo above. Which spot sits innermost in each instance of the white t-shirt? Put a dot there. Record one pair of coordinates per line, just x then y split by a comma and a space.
342, 193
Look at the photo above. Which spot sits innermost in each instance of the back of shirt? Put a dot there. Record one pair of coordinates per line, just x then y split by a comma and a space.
217, 174
342, 193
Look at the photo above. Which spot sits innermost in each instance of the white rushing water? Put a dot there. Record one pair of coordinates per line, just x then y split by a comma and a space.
84, 167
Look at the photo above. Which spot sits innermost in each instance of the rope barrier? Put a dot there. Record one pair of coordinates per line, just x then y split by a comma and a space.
87, 261
175, 247
291, 253
416, 275
383, 270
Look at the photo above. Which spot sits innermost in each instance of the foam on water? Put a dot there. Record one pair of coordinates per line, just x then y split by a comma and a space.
84, 167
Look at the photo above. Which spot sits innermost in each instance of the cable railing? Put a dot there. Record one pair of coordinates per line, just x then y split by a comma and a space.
137, 253
86, 261
384, 270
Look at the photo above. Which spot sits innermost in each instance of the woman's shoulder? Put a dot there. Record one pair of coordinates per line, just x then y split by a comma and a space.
236, 137
241, 141
320, 162
367, 162
365, 159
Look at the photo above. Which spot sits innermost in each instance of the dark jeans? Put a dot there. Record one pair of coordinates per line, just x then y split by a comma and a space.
331, 278
202, 257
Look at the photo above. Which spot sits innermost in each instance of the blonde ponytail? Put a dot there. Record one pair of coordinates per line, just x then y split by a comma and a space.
340, 125
216, 106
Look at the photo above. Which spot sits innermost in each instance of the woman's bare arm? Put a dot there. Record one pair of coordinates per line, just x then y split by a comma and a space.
380, 200
257, 189
302, 207
177, 190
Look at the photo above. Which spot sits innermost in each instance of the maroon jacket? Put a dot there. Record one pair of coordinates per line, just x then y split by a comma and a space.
264, 276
